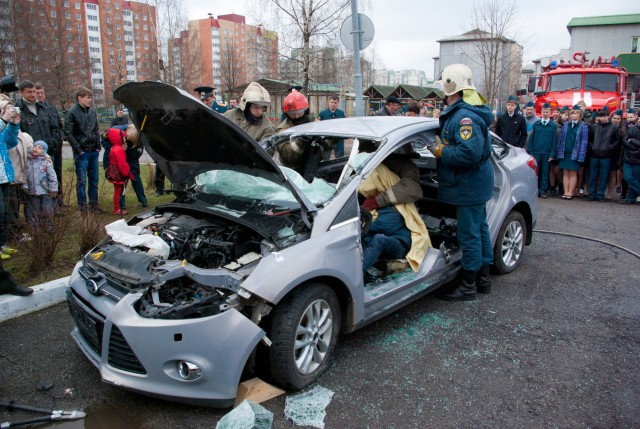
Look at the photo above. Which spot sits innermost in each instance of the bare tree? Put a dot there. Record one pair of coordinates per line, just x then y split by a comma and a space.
177, 60
49, 50
500, 56
7, 39
305, 25
231, 74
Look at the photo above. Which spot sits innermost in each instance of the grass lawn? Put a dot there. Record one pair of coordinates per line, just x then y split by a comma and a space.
68, 251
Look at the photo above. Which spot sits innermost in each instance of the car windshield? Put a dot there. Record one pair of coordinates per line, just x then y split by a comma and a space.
257, 190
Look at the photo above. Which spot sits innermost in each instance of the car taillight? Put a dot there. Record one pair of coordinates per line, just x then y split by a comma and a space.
531, 162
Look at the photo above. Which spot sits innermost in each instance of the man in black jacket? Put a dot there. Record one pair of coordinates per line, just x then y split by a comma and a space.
81, 131
631, 163
603, 141
391, 106
36, 119
511, 126
57, 136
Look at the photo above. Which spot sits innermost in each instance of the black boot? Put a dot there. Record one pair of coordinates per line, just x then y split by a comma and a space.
484, 280
10, 287
466, 290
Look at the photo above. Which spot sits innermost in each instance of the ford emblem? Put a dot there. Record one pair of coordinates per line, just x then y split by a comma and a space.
93, 287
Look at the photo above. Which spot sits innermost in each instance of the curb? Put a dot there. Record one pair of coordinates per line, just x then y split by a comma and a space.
44, 295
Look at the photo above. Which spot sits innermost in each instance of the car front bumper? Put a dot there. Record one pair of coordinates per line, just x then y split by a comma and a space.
142, 355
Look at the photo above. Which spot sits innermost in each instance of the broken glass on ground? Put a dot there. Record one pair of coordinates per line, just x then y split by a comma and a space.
308, 408
247, 415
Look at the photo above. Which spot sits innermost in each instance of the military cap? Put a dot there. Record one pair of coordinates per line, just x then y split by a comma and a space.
204, 92
564, 109
512, 99
529, 104
546, 106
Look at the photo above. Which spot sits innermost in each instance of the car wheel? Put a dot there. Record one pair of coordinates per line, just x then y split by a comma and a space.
304, 333
510, 243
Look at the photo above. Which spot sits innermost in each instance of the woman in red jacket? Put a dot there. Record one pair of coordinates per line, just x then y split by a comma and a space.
119, 174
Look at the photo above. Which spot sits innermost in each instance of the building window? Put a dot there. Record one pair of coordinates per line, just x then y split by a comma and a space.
92, 7
93, 28
78, 6
53, 14
78, 17
634, 44
67, 14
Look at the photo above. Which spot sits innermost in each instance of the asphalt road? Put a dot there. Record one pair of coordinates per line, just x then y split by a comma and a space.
556, 344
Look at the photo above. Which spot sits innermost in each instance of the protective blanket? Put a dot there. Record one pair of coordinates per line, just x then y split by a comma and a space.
381, 179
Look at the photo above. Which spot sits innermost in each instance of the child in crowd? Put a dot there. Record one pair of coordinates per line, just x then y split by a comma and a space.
118, 171
42, 187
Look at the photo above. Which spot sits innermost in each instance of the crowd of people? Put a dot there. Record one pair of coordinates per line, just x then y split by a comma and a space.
595, 155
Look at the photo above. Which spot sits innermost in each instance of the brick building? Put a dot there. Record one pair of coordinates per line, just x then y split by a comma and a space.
224, 52
100, 44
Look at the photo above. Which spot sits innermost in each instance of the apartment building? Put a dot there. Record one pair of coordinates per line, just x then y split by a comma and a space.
100, 44
224, 52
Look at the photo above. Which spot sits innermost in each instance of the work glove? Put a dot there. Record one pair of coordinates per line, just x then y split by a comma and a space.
370, 204
436, 147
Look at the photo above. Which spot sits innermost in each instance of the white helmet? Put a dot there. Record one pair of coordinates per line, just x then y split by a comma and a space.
456, 77
255, 94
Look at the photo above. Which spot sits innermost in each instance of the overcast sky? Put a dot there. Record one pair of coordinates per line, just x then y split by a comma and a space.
406, 31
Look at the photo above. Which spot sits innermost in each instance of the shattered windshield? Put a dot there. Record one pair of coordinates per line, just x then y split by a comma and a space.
245, 187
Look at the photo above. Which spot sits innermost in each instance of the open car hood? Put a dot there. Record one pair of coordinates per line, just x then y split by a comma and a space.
185, 137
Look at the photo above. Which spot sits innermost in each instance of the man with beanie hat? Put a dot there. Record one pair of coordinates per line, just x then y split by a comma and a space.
603, 141
510, 126
42, 187
541, 143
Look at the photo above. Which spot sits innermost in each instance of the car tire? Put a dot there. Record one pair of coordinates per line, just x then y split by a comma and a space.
304, 332
510, 243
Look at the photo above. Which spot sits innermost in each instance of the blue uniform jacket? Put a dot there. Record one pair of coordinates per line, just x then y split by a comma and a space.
391, 223
579, 149
465, 173
543, 138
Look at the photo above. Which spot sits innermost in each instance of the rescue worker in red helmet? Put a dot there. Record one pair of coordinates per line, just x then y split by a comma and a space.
296, 111
249, 115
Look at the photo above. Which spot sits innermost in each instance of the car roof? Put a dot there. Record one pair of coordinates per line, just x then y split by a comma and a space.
373, 127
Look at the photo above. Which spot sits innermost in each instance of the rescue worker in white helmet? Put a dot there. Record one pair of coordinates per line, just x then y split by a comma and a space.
465, 176
249, 115
294, 154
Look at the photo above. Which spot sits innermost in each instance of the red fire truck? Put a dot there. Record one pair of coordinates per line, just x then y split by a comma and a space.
598, 82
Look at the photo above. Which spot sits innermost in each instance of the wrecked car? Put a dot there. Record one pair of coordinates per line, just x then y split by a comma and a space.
256, 268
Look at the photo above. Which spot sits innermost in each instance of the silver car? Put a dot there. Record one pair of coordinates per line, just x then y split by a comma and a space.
260, 267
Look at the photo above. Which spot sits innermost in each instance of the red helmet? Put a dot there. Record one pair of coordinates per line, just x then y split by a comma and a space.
295, 103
